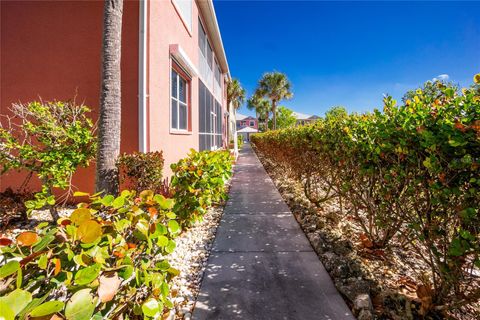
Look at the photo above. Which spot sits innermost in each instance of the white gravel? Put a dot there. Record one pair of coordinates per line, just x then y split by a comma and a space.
190, 257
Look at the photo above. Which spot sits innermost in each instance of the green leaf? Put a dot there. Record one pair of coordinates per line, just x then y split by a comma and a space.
47, 308
118, 202
88, 274
164, 203
44, 242
42, 262
171, 246
18, 299
173, 226
162, 241
107, 200
7, 313
80, 306
9, 268
151, 307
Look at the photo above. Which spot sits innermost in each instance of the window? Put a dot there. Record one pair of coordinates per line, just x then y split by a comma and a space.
202, 39
252, 123
179, 101
205, 57
184, 8
217, 74
210, 119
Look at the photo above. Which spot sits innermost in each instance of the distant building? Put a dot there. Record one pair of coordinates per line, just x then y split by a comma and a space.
246, 125
246, 121
303, 118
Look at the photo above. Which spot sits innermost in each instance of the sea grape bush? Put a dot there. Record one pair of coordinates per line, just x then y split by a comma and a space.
141, 171
49, 139
108, 258
198, 182
411, 171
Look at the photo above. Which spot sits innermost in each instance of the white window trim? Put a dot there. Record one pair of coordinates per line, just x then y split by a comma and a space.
176, 130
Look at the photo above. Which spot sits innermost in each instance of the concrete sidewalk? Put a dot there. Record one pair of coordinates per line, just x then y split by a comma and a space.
262, 265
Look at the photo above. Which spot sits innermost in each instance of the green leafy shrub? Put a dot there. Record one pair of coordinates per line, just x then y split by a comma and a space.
198, 182
49, 139
108, 258
141, 171
410, 171
240, 141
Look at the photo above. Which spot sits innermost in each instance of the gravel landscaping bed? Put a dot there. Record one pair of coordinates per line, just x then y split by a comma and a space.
190, 257
377, 284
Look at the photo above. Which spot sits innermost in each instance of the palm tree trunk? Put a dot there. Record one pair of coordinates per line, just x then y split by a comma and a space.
274, 110
266, 121
110, 99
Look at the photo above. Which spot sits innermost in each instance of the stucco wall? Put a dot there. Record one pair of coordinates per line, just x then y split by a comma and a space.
52, 50
161, 35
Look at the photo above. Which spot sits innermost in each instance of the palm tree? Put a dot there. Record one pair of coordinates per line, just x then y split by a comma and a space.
262, 108
235, 94
276, 87
109, 123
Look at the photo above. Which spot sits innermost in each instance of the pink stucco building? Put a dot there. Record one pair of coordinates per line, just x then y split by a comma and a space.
174, 70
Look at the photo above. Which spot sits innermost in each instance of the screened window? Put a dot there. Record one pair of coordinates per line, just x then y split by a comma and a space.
184, 8
252, 123
210, 118
217, 74
202, 40
179, 93
204, 45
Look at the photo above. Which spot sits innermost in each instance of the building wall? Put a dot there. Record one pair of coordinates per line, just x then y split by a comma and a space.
166, 27
52, 50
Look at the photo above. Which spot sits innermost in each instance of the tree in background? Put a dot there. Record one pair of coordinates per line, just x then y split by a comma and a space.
432, 89
235, 93
285, 118
109, 124
276, 87
262, 108
336, 112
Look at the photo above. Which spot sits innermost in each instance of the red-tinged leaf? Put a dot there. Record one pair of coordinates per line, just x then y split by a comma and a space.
58, 266
131, 245
366, 242
27, 239
31, 257
5, 242
118, 254
65, 222
109, 284
153, 211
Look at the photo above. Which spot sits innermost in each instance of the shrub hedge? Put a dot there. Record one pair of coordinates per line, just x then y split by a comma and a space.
49, 139
198, 181
141, 171
411, 171
107, 258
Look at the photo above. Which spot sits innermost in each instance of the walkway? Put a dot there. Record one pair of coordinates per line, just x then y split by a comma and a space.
262, 265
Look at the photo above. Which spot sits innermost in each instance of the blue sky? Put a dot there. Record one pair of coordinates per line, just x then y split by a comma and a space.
350, 53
